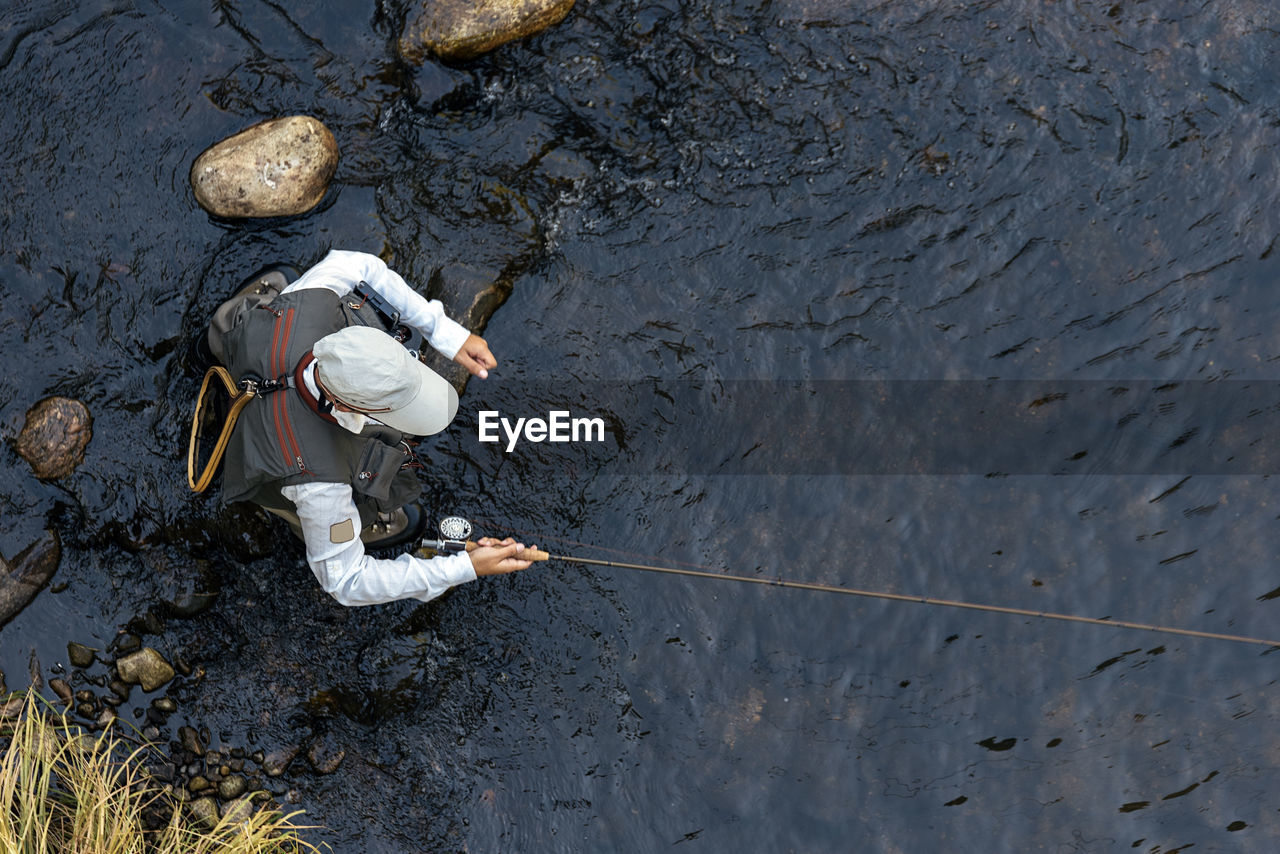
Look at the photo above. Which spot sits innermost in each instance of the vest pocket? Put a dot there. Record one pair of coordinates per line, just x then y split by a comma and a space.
379, 463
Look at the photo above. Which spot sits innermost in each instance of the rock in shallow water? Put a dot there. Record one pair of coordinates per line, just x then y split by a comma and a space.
323, 757
54, 437
470, 296
62, 689
23, 577
279, 167
146, 667
80, 655
275, 762
231, 788
464, 29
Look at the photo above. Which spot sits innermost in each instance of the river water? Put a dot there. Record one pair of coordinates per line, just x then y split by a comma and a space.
925, 206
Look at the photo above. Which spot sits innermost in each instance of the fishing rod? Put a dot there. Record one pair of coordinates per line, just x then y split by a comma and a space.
455, 531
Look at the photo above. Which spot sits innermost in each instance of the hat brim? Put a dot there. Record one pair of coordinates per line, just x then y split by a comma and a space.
430, 411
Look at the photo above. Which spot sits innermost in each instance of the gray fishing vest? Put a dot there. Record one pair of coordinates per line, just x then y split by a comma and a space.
280, 440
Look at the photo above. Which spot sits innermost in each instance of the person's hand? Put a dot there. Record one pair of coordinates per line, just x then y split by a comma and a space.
474, 355
495, 557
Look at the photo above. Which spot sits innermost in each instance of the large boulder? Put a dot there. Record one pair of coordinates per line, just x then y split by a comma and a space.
279, 167
464, 29
54, 437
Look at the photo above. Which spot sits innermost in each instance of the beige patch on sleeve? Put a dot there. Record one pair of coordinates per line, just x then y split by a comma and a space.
343, 532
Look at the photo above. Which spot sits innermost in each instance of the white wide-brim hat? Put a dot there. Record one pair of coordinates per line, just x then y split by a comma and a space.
372, 373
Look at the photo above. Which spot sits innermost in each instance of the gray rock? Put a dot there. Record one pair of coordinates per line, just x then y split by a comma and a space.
54, 437
464, 29
204, 811
240, 809
197, 784
275, 762
80, 655
23, 577
231, 787
280, 167
145, 667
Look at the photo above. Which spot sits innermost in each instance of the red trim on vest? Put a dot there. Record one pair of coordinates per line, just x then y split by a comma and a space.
284, 427
305, 393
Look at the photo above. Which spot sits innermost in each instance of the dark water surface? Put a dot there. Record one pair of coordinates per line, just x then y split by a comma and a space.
697, 193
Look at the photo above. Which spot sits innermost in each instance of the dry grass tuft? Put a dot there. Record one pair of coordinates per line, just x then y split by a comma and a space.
64, 790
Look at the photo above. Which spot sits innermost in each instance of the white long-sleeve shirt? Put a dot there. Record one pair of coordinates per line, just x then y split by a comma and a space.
344, 570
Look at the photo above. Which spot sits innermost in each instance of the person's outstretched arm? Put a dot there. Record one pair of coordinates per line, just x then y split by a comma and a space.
341, 270
331, 531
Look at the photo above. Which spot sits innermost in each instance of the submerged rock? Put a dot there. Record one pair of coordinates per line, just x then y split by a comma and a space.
324, 758
146, 667
275, 762
464, 29
190, 740
54, 437
63, 690
279, 167
80, 655
23, 577
470, 295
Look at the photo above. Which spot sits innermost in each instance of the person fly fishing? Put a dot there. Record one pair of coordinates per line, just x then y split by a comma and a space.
321, 438
328, 391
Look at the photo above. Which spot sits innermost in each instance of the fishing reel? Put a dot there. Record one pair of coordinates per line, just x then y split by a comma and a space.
454, 533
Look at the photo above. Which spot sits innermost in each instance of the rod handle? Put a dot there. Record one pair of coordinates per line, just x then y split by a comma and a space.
527, 554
